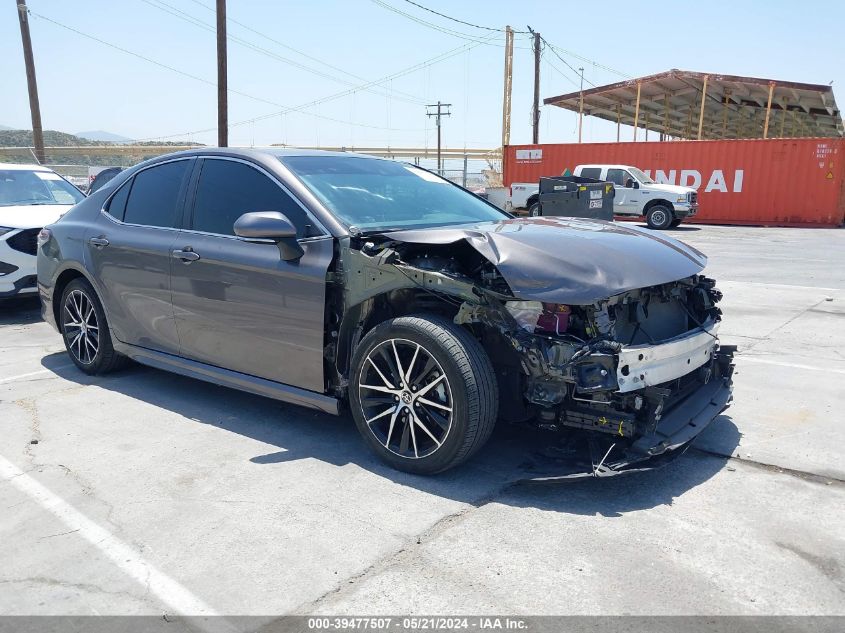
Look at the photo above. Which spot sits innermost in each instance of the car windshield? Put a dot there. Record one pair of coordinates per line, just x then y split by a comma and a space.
31, 187
380, 195
641, 176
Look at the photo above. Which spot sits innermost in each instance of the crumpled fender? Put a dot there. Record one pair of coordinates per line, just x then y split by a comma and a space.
574, 261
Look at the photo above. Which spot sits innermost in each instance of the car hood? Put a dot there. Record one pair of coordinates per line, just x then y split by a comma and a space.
673, 189
31, 216
569, 260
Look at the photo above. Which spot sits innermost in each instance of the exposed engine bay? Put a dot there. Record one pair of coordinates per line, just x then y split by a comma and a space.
638, 371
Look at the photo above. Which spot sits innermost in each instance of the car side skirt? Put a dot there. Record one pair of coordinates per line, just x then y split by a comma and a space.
228, 378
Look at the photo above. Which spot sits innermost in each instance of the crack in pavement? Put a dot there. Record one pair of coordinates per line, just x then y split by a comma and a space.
87, 587
787, 322
827, 480
41, 538
438, 527
450, 520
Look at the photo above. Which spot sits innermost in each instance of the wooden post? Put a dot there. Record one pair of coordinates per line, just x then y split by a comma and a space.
222, 78
701, 111
536, 111
581, 106
506, 101
637, 110
665, 116
768, 110
783, 105
618, 120
31, 84
646, 124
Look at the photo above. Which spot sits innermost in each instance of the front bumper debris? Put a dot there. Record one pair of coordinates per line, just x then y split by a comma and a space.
671, 437
646, 365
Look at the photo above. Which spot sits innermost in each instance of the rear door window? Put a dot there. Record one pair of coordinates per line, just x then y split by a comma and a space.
227, 189
156, 193
618, 177
591, 172
117, 205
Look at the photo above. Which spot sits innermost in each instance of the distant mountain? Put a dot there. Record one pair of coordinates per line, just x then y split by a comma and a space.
102, 135
5, 127
52, 138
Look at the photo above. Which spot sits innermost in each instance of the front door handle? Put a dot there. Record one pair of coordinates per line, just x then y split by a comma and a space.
99, 242
187, 256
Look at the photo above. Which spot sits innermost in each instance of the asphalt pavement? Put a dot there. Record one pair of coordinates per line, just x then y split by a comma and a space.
143, 492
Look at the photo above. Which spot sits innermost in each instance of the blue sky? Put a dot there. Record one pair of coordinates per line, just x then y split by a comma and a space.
86, 85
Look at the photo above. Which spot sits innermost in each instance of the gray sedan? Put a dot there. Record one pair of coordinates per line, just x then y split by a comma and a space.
345, 282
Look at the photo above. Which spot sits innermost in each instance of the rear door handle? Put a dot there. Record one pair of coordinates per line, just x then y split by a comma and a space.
99, 242
186, 256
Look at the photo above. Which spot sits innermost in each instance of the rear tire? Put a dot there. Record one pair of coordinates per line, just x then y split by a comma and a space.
423, 393
659, 217
85, 330
535, 210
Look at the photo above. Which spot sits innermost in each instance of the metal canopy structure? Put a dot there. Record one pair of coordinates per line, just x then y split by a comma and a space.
692, 105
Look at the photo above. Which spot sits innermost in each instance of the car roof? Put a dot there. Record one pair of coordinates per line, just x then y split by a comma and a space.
23, 167
255, 152
603, 165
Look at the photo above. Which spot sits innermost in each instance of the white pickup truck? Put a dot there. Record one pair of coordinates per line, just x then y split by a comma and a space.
663, 206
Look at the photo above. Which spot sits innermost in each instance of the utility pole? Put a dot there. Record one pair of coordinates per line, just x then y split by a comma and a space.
437, 114
222, 78
506, 102
535, 119
31, 83
581, 106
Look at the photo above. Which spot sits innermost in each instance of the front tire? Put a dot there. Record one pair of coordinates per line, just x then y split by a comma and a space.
659, 217
423, 393
85, 330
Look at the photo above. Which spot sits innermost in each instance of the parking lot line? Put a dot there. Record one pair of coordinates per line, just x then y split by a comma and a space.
766, 361
171, 594
31, 374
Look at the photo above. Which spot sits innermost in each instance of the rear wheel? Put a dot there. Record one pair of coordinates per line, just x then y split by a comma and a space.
85, 330
423, 393
535, 210
659, 217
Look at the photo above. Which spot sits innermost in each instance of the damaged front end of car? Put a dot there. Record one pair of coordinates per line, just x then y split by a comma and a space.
641, 373
626, 363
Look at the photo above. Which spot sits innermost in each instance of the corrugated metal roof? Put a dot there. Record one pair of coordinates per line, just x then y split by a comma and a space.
734, 107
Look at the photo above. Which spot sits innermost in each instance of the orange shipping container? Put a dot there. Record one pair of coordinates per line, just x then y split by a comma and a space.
779, 182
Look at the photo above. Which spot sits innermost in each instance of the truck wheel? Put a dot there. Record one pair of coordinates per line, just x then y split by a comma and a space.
659, 217
423, 393
535, 210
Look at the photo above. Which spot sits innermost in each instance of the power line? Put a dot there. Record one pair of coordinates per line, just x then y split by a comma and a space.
431, 25
443, 15
488, 28
411, 69
178, 13
212, 83
594, 63
559, 71
579, 73
299, 52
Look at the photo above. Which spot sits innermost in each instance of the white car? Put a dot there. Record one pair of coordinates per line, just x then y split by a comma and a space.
31, 197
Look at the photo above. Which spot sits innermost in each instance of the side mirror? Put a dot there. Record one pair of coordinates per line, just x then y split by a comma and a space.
632, 184
270, 225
